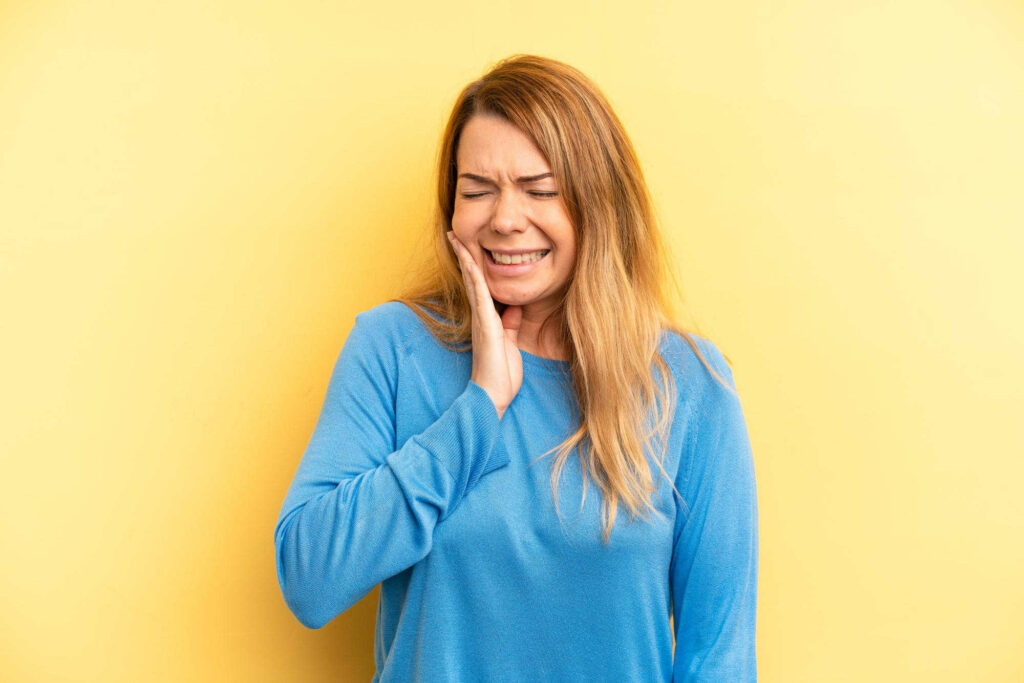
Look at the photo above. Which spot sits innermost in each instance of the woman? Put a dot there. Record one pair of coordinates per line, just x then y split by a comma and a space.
425, 470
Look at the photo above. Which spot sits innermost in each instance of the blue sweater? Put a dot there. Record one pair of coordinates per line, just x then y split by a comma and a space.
411, 481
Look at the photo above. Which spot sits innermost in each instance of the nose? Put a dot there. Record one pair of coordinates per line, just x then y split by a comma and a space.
508, 215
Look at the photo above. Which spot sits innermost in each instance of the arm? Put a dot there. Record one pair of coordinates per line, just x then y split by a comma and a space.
359, 511
714, 565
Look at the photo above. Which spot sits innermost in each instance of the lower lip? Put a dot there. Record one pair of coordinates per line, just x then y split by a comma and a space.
513, 268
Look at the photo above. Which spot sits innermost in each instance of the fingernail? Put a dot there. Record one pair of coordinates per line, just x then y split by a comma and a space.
449, 233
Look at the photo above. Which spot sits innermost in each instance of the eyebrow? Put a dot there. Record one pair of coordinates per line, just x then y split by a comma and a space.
520, 179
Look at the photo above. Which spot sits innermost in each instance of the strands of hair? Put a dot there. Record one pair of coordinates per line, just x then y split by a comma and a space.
615, 309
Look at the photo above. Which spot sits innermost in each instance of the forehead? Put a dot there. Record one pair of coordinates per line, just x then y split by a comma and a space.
489, 144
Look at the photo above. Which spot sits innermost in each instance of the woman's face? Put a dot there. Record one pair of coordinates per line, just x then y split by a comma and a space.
502, 204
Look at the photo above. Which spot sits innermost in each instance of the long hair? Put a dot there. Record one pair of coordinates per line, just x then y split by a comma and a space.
615, 310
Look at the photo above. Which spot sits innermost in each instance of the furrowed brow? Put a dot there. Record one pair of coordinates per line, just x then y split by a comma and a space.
520, 179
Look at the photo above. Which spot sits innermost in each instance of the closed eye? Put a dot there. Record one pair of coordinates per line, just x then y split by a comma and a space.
474, 195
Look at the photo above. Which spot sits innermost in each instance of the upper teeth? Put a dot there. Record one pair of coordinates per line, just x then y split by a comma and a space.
519, 258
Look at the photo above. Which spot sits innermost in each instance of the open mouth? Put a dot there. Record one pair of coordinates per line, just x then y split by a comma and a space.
541, 255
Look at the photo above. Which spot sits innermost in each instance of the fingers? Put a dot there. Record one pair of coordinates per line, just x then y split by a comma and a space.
467, 280
512, 318
511, 321
476, 286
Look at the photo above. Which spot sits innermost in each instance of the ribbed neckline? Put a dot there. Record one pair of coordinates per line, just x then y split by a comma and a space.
547, 364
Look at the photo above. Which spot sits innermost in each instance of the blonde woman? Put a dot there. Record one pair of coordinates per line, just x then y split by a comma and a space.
535, 357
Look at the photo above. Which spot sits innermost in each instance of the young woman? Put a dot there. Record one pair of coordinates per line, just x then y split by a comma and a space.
540, 328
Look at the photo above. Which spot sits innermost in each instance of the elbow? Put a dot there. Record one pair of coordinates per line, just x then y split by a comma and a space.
308, 615
316, 586
314, 623
302, 602
305, 604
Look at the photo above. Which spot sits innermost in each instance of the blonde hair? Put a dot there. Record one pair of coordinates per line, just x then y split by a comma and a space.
615, 307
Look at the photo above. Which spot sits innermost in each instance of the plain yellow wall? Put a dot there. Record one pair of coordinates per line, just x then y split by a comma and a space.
196, 199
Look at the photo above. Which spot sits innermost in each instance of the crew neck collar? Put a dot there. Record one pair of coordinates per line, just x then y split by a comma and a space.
550, 364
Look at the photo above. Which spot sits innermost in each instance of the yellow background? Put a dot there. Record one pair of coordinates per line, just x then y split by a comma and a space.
196, 199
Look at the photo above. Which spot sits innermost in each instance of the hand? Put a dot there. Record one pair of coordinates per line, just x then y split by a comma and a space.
497, 363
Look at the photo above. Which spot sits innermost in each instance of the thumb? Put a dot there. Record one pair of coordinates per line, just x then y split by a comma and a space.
511, 319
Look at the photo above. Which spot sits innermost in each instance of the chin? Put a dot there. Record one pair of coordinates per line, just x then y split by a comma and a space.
512, 300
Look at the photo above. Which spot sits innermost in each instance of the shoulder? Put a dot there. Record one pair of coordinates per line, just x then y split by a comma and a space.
689, 355
703, 377
389, 325
393, 316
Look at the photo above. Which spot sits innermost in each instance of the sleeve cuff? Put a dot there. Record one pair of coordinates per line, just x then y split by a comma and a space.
464, 438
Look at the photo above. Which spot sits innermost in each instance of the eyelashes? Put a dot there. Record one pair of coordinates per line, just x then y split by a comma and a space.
474, 195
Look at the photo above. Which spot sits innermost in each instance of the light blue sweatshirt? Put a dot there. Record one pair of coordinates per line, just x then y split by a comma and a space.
410, 480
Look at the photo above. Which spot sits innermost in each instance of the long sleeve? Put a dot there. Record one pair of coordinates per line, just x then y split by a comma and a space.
713, 573
360, 509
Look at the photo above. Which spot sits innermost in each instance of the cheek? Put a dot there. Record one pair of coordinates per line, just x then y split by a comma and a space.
459, 213
566, 259
469, 212
565, 240
460, 227
565, 268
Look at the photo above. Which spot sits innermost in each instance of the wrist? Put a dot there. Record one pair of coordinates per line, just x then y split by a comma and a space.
500, 409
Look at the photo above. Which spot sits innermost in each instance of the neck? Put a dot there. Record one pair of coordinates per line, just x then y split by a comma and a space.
529, 339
